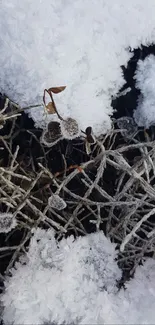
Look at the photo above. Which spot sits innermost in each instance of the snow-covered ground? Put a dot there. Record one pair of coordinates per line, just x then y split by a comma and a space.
80, 44
74, 282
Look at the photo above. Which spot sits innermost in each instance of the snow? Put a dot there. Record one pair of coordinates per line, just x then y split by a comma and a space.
74, 282
79, 44
144, 115
141, 294
66, 282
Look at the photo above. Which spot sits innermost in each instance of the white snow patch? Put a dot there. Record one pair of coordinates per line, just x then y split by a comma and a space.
144, 115
74, 282
80, 44
139, 297
71, 281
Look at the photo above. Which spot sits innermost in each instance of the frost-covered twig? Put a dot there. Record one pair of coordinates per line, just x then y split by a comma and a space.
136, 227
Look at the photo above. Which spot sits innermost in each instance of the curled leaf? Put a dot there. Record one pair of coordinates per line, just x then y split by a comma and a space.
88, 130
89, 135
50, 108
56, 90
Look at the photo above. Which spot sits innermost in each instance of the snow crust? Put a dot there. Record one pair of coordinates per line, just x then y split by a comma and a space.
80, 44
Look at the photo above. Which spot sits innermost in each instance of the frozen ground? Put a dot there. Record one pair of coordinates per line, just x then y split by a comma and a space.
74, 282
79, 44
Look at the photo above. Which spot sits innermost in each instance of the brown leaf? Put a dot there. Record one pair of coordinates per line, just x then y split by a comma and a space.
50, 108
56, 90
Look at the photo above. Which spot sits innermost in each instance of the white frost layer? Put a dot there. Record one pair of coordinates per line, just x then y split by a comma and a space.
74, 282
144, 115
77, 43
69, 282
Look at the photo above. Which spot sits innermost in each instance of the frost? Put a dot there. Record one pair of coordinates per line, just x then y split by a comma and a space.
139, 296
56, 202
7, 222
69, 128
144, 115
73, 281
79, 44
129, 126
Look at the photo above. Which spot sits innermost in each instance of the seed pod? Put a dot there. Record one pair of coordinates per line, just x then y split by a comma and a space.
69, 128
89, 135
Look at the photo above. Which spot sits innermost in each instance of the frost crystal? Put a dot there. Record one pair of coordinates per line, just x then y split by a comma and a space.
66, 282
56, 202
129, 126
144, 115
74, 282
70, 128
7, 222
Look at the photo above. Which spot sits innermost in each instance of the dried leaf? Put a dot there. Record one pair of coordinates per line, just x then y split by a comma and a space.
89, 135
88, 130
56, 90
54, 130
50, 108
54, 127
